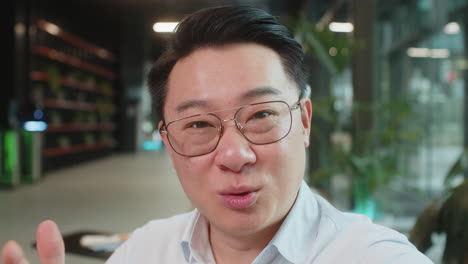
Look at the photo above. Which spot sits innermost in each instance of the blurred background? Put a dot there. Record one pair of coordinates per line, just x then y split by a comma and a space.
388, 79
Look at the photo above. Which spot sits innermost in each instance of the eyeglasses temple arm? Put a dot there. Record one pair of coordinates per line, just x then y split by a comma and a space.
163, 129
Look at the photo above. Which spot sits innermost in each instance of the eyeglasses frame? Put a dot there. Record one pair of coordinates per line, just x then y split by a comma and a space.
164, 127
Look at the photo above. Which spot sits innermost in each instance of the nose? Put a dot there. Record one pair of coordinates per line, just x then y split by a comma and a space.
234, 152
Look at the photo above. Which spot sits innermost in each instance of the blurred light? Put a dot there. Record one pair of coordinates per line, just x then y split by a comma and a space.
341, 27
452, 28
52, 29
156, 136
102, 52
333, 51
440, 53
428, 53
35, 126
165, 26
20, 29
147, 127
418, 52
308, 91
150, 145
38, 114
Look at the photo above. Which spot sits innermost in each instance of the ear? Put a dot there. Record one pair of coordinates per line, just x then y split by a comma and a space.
306, 118
166, 142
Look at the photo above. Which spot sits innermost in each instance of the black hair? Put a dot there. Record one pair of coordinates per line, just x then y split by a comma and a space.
218, 26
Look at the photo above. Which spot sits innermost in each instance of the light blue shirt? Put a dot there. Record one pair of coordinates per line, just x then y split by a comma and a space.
313, 232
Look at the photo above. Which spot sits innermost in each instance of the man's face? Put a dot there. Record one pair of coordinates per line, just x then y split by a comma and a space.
241, 188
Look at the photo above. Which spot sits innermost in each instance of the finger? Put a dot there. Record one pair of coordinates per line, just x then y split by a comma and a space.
13, 254
50, 243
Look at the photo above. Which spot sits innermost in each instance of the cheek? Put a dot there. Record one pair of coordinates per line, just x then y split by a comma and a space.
292, 158
186, 170
283, 159
191, 173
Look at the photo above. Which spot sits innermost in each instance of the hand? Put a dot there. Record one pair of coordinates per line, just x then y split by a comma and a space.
49, 245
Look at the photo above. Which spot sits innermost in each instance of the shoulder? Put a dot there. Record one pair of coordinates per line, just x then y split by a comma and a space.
380, 244
336, 221
358, 240
366, 242
158, 240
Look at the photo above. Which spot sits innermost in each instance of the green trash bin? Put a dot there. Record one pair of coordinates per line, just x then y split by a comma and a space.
31, 170
9, 158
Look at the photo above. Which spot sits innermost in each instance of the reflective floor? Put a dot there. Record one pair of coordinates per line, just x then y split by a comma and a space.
114, 194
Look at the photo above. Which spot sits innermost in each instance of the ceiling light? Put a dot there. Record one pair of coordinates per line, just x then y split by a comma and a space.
428, 53
35, 126
341, 27
452, 28
165, 27
52, 29
440, 53
418, 52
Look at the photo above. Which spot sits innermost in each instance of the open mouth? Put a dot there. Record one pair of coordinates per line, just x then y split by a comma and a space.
241, 200
240, 194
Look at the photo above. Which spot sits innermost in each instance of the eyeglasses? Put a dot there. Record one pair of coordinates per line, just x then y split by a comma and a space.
260, 123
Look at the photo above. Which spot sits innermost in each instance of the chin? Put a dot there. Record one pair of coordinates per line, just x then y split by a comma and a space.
241, 222
241, 226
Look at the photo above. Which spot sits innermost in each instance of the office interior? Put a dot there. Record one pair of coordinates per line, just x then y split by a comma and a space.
79, 143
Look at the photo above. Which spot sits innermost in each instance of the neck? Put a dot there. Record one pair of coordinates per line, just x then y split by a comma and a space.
233, 248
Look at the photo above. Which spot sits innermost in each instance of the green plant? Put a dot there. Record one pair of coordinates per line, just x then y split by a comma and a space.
370, 159
447, 214
332, 50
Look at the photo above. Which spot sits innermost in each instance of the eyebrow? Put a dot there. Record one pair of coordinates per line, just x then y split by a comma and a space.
191, 104
254, 93
260, 91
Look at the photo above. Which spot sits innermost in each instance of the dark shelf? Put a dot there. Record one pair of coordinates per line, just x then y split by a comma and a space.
53, 103
75, 41
81, 127
44, 76
74, 82
73, 149
73, 61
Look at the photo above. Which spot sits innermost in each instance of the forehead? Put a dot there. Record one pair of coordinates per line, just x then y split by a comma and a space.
221, 77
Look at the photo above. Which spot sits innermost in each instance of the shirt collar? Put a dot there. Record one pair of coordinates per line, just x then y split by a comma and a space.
299, 230
195, 242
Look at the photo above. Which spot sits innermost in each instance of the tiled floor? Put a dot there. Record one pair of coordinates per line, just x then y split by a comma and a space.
116, 194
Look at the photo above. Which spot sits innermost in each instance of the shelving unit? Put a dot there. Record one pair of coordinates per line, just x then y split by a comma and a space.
72, 89
81, 127
58, 151
73, 61
72, 83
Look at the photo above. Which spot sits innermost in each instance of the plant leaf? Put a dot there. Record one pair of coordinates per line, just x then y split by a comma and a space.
459, 167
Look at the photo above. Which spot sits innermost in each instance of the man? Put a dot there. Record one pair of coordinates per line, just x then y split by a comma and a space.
230, 91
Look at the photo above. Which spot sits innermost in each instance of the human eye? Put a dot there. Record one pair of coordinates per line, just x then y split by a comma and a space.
198, 125
261, 114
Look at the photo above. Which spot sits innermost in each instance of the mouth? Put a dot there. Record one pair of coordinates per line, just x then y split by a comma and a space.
238, 194
239, 198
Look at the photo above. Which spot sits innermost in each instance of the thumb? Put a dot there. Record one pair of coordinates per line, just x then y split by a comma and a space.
13, 254
50, 243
